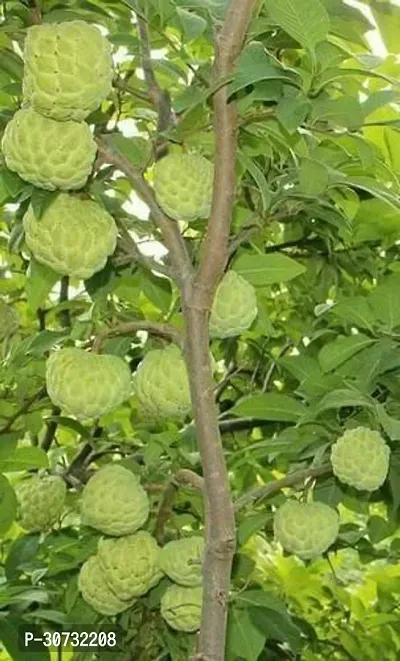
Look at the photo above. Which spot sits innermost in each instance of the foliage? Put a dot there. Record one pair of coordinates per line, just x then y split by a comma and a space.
315, 230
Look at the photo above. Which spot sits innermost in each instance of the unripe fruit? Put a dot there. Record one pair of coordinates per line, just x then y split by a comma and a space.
181, 607
183, 186
162, 384
114, 502
73, 237
182, 560
95, 591
87, 385
68, 69
306, 529
360, 458
234, 308
46, 153
40, 502
9, 321
130, 564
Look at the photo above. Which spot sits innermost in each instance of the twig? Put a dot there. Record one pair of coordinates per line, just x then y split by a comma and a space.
183, 477
134, 254
130, 327
270, 489
23, 409
242, 237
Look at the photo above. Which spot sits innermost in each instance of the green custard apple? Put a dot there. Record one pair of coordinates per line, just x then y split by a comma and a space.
48, 154
181, 607
40, 502
360, 458
9, 321
95, 591
182, 560
306, 529
130, 564
87, 385
162, 384
73, 237
234, 308
114, 502
68, 69
183, 186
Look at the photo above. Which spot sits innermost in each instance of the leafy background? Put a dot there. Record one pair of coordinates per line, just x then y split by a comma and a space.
316, 230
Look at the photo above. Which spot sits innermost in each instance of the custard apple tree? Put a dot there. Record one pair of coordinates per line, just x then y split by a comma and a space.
200, 328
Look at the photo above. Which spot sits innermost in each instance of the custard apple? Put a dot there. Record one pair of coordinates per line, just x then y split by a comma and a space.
360, 458
306, 529
46, 153
114, 502
234, 308
74, 236
95, 591
87, 385
130, 564
183, 186
181, 607
40, 502
182, 560
9, 321
162, 384
68, 69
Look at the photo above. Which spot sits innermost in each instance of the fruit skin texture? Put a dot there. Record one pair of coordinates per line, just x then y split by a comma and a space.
130, 564
360, 458
87, 385
46, 153
114, 502
162, 384
68, 69
40, 502
9, 321
306, 529
181, 607
234, 308
181, 560
183, 186
73, 237
95, 591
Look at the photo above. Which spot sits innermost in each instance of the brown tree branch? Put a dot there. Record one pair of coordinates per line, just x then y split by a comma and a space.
270, 489
183, 477
131, 327
133, 253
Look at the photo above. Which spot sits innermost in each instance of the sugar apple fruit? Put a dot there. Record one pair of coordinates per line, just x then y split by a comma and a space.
182, 560
234, 308
183, 186
306, 529
40, 502
68, 69
181, 607
162, 384
130, 564
114, 502
87, 385
360, 458
74, 236
95, 591
46, 153
9, 321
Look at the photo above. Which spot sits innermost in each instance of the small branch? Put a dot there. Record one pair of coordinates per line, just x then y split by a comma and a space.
134, 254
24, 409
270, 489
51, 430
242, 237
183, 477
131, 327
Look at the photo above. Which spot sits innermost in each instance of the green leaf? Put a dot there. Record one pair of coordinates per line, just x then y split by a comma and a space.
263, 270
342, 397
344, 112
277, 626
41, 200
291, 111
390, 425
305, 20
10, 628
244, 639
356, 311
394, 480
255, 65
313, 177
259, 178
193, 25
379, 529
23, 459
8, 443
335, 353
270, 406
251, 525
136, 150
40, 281
385, 302
8, 505
23, 550
260, 599
158, 290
